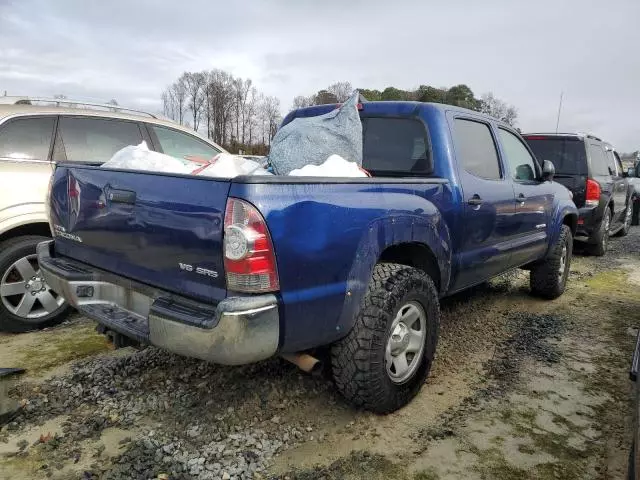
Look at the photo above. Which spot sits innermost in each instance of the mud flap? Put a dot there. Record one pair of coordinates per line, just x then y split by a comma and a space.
8, 407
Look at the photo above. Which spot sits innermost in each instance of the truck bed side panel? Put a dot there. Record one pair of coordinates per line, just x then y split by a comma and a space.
327, 238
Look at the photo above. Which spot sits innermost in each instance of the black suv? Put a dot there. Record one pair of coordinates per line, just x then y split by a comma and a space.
592, 170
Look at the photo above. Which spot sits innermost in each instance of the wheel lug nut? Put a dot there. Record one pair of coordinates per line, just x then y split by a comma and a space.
33, 293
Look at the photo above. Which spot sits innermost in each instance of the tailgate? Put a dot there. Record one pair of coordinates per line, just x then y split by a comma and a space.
162, 230
577, 184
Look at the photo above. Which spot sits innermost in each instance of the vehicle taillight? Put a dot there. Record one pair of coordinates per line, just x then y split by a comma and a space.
249, 259
593, 193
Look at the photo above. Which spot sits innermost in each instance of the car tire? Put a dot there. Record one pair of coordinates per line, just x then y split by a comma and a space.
628, 216
367, 365
32, 306
635, 217
548, 279
601, 237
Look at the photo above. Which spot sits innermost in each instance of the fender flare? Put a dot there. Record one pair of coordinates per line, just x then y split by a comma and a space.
558, 219
428, 229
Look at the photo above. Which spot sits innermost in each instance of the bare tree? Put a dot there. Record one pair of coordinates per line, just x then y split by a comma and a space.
235, 113
342, 90
301, 101
271, 117
194, 85
498, 109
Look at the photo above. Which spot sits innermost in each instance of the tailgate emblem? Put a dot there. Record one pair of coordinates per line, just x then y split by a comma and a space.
199, 270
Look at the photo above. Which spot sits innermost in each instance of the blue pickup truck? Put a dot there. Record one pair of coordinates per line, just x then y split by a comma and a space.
234, 271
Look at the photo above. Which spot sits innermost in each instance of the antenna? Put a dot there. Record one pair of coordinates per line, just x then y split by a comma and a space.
559, 110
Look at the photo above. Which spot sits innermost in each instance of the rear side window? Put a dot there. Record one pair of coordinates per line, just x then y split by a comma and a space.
181, 145
476, 149
395, 145
93, 139
612, 164
26, 138
599, 164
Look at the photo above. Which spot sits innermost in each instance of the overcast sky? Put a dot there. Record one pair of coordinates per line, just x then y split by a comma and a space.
525, 52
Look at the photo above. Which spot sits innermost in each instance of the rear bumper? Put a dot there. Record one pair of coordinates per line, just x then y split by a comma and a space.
588, 223
237, 331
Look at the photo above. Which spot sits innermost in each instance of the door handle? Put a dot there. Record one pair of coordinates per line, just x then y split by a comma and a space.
122, 196
475, 201
521, 198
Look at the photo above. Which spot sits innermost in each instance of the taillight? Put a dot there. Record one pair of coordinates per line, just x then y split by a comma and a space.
249, 259
593, 193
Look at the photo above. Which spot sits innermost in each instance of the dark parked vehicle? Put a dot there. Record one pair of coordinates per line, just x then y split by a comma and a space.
633, 175
237, 270
592, 170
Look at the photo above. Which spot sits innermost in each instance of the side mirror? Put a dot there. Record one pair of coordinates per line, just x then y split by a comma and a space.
631, 172
548, 170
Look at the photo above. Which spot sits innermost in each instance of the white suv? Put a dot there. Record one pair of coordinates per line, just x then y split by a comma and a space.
34, 135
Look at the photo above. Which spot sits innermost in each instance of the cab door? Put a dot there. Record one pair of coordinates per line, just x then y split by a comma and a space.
485, 248
620, 185
533, 199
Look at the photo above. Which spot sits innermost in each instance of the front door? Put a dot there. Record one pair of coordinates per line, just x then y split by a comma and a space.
489, 208
533, 199
619, 186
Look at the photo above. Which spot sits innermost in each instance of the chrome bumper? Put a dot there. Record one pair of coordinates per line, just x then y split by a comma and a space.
237, 331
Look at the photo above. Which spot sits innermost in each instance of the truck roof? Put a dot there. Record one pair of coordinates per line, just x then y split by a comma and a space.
391, 104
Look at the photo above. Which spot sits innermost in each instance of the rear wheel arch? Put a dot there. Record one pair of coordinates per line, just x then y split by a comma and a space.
416, 255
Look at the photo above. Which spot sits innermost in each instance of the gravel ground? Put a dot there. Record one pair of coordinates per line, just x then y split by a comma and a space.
150, 414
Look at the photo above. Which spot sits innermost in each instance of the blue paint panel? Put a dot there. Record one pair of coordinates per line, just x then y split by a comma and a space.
174, 220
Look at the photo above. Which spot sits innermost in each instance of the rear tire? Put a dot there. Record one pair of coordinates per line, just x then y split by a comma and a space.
601, 237
20, 311
548, 279
386, 357
628, 215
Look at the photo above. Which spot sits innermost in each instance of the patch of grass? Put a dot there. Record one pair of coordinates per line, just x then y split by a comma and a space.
429, 474
356, 466
528, 449
61, 348
614, 281
493, 465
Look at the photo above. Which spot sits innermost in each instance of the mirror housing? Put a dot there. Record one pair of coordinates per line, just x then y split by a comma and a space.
631, 172
548, 170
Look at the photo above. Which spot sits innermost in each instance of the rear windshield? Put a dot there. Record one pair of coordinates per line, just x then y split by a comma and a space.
568, 155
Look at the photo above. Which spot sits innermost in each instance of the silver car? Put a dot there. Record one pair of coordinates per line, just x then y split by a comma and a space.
34, 135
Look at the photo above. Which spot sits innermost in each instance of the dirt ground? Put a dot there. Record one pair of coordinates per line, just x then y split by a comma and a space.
521, 389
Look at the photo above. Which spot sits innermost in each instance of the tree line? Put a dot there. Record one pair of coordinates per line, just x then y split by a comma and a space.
234, 114
230, 109
460, 95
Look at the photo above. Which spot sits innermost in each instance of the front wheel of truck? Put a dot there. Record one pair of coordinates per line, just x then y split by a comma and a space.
386, 357
548, 278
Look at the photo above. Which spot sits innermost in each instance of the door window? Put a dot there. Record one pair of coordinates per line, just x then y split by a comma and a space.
95, 140
599, 165
26, 138
182, 145
611, 164
476, 149
521, 163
